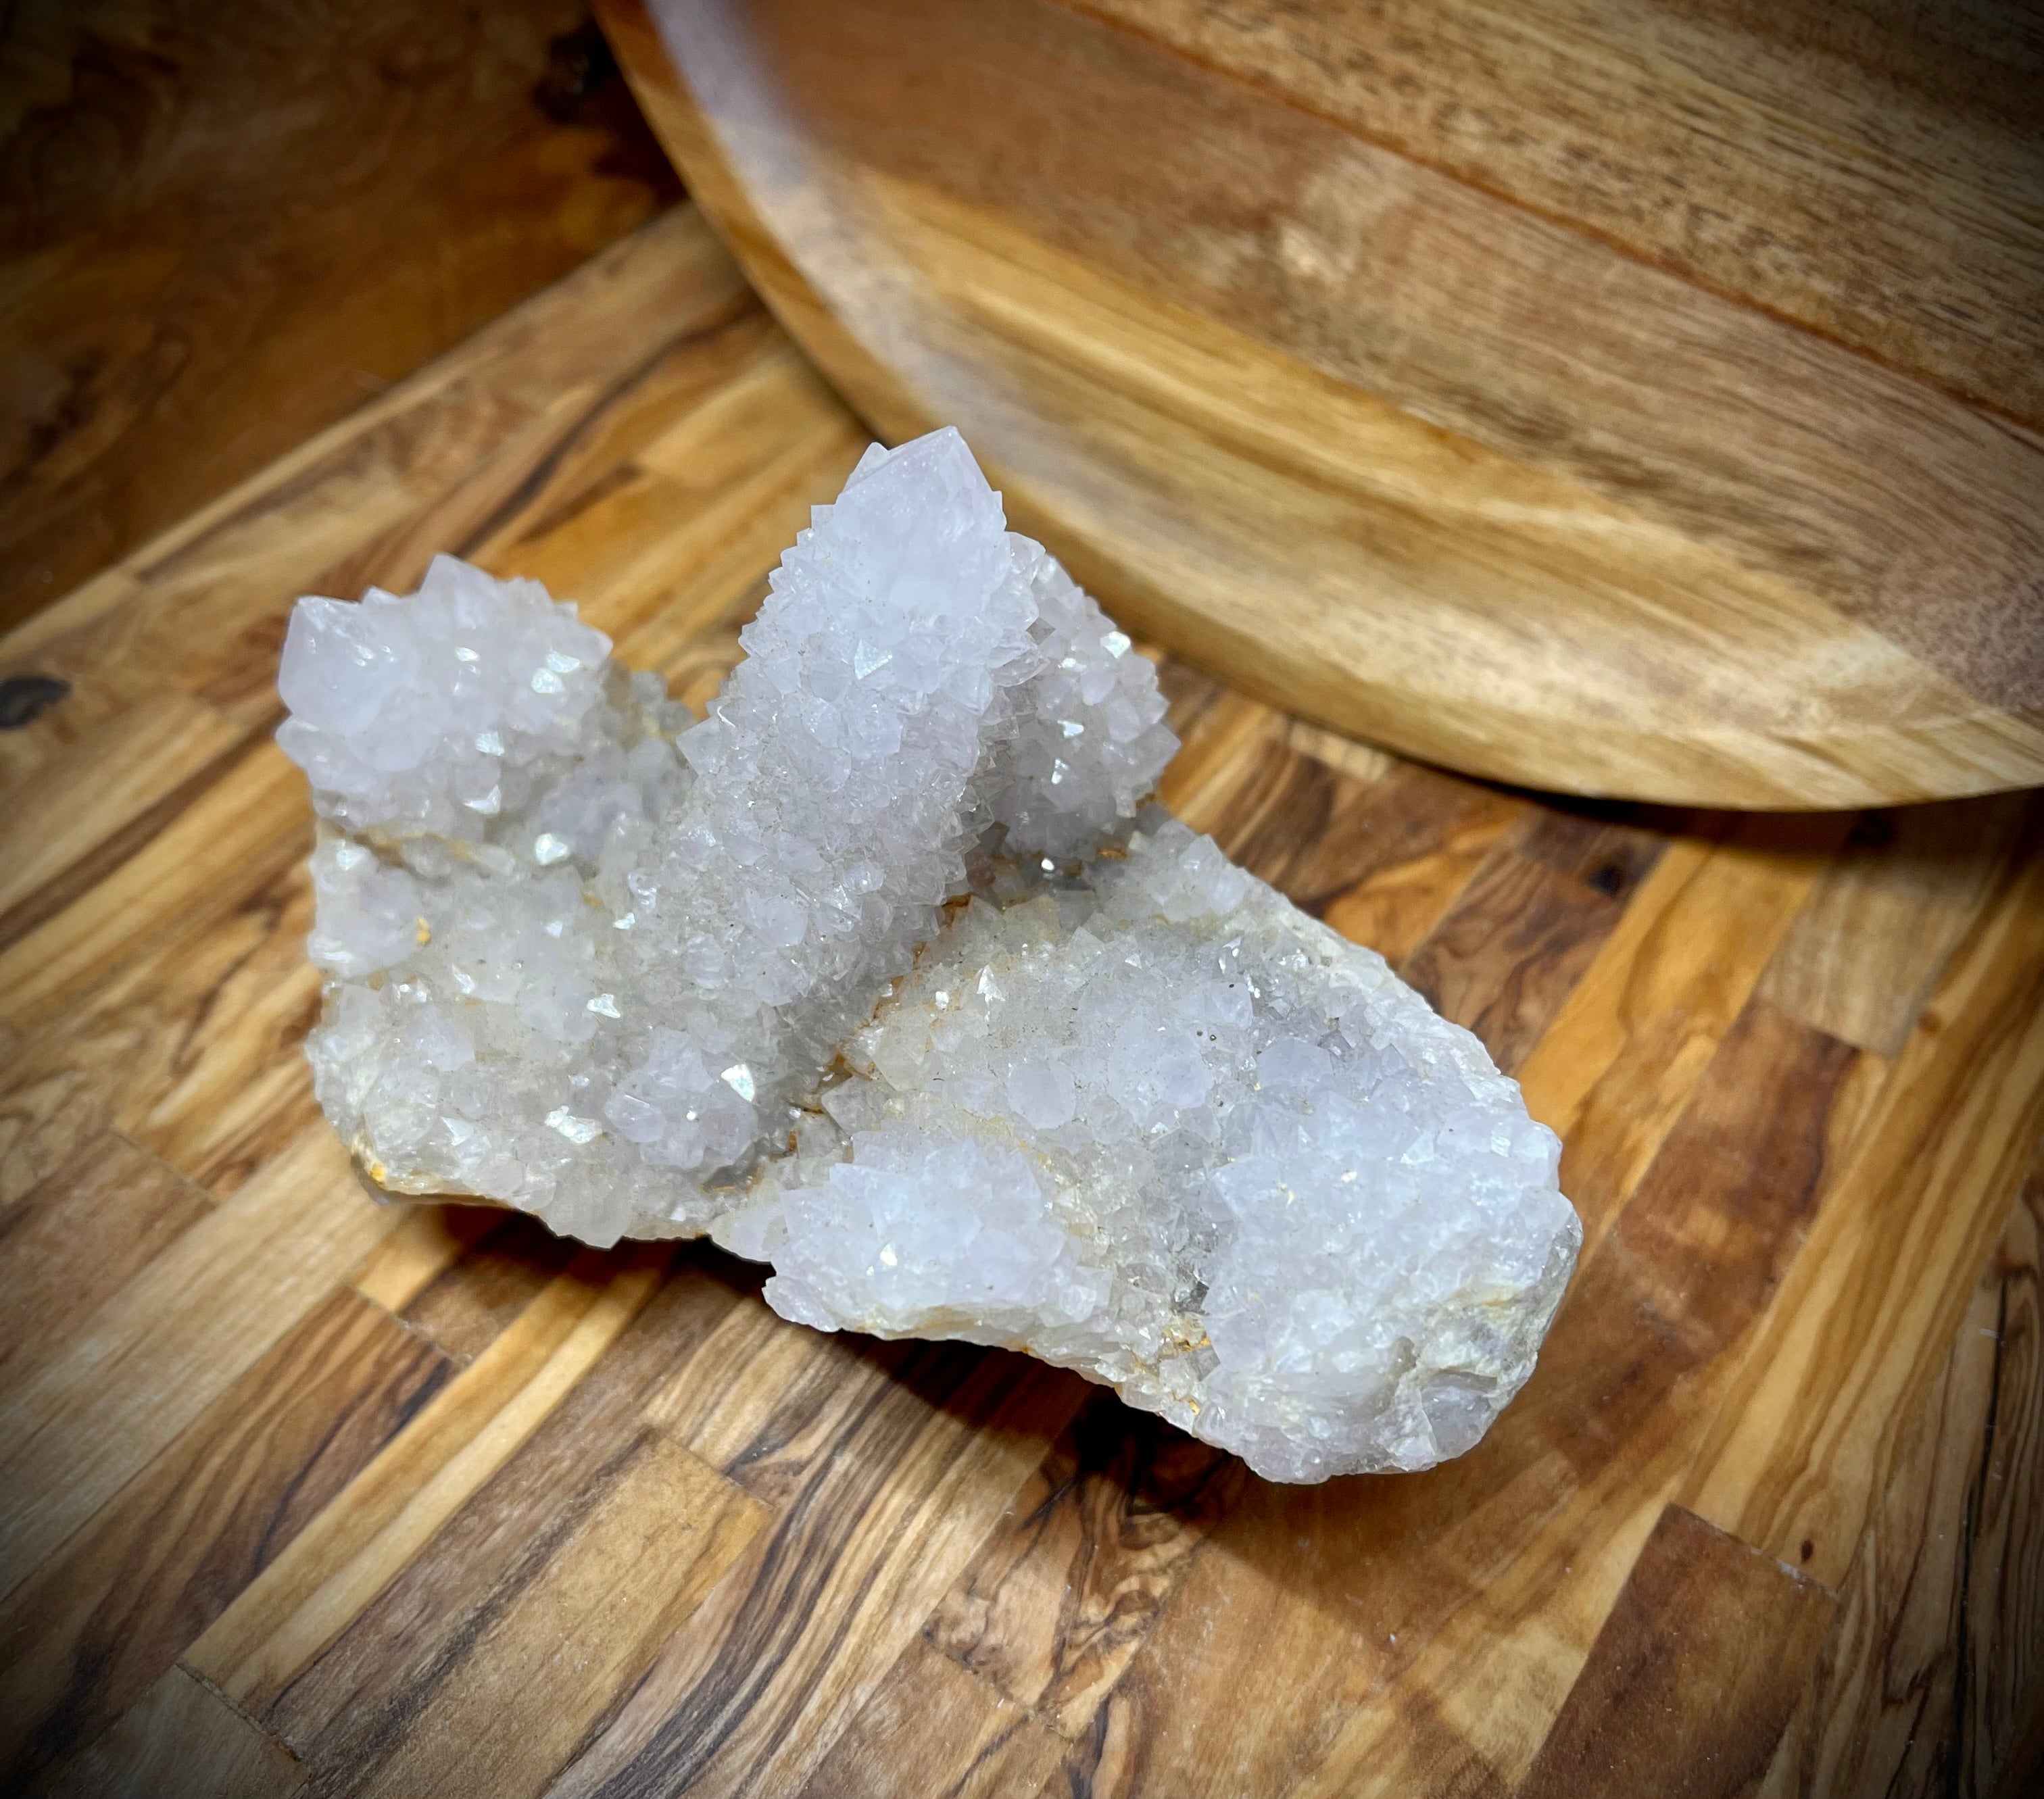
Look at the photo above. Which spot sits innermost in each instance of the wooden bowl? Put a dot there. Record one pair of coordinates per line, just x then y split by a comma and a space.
1622, 404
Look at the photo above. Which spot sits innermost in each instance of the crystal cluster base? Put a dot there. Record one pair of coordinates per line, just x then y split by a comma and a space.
882, 972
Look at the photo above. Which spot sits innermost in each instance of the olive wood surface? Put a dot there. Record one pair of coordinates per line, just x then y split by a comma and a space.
299, 1492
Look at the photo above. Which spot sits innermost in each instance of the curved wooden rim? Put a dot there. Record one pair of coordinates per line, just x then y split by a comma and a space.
1384, 577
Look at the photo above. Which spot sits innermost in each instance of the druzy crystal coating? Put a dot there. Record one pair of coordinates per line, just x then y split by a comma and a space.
882, 972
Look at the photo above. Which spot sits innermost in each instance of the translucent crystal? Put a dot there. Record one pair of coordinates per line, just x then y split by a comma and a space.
666, 926
1159, 1125
871, 974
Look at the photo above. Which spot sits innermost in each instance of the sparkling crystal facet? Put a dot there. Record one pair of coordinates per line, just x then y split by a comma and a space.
837, 974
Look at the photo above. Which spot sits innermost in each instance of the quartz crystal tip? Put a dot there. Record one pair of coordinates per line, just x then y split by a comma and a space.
882, 972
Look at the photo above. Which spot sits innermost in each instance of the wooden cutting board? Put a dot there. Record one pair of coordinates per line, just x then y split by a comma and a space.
1625, 400
297, 1490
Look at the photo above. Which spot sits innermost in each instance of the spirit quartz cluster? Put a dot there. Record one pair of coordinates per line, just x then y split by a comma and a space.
884, 973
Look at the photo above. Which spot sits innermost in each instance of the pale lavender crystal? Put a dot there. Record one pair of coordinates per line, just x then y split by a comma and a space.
1156, 1124
592, 959
1125, 1108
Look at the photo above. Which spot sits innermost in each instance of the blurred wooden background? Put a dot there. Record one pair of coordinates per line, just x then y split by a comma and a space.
226, 224
299, 1495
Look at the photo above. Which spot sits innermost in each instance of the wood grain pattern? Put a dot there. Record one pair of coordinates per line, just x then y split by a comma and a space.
657, 1531
930, 1728
303, 1494
1863, 954
1725, 144
181, 1742
1933, 1677
347, 1707
1507, 984
470, 1303
1053, 1605
751, 1692
170, 1342
79, 1237
141, 759
93, 1630
207, 259
304, 1599
1614, 1071
1693, 1676
199, 605
428, 1241
1400, 441
1377, 850
1799, 1454
160, 1002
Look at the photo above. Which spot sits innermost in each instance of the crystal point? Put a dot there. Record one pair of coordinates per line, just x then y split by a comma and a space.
837, 975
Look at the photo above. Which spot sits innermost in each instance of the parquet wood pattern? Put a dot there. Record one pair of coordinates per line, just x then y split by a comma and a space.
306, 1495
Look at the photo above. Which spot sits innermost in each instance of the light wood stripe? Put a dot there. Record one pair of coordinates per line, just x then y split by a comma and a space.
684, 1546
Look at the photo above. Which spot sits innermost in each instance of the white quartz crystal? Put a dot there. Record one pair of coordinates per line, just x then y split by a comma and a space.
1159, 1125
591, 959
868, 973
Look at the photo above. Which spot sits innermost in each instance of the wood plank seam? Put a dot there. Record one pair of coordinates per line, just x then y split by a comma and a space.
127, 840
476, 357
1976, 1021
1396, 1636
599, 405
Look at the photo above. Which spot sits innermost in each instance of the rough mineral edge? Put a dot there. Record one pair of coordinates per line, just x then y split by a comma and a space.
593, 960
1158, 1125
1140, 1118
